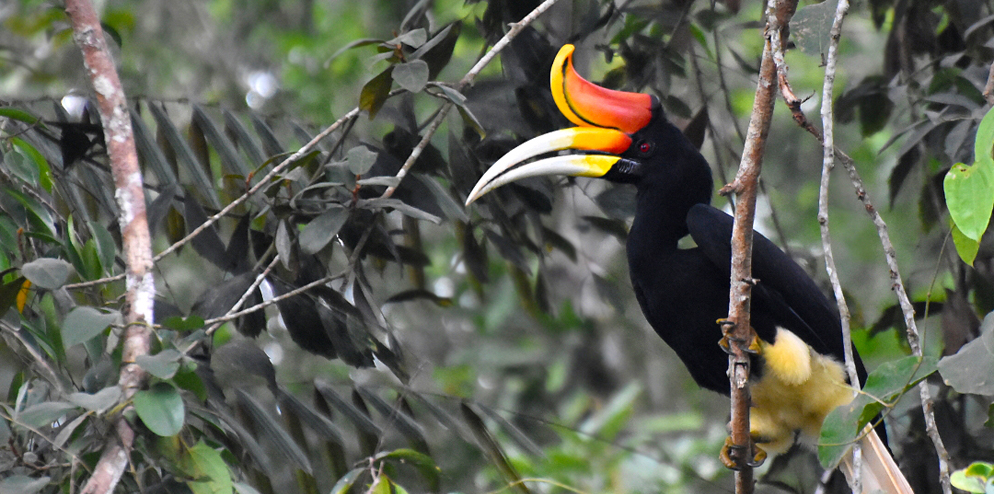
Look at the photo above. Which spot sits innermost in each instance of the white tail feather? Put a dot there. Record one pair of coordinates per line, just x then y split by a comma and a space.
879, 473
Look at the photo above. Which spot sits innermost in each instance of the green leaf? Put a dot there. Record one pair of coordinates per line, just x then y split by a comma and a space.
886, 383
44, 171
162, 365
99, 402
47, 272
411, 76
345, 483
971, 369
43, 414
21, 484
375, 92
360, 159
207, 470
970, 197
22, 167
185, 325
84, 323
322, 229
21, 115
811, 27
424, 463
975, 478
161, 409
966, 247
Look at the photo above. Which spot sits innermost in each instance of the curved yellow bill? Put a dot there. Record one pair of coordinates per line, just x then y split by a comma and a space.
587, 104
577, 165
503, 170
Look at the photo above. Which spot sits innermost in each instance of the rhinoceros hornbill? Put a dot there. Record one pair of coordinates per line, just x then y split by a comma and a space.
798, 376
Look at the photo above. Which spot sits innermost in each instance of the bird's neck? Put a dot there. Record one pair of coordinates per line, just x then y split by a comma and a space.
663, 202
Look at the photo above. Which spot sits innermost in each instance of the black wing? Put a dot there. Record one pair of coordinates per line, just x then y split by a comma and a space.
784, 296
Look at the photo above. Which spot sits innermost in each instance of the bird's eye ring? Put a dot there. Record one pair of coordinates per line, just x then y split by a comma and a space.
645, 148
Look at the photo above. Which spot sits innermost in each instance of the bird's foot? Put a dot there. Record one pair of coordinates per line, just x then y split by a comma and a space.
732, 455
726, 340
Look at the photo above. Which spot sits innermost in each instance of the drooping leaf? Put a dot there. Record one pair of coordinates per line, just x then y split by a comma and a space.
970, 189
161, 409
966, 247
971, 369
46, 272
404, 423
149, 151
230, 159
322, 229
84, 323
375, 92
271, 429
184, 154
243, 139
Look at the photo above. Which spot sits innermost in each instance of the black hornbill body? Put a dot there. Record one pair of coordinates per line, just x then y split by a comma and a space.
798, 375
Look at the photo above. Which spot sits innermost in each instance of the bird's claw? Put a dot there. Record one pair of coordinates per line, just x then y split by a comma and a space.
726, 340
731, 455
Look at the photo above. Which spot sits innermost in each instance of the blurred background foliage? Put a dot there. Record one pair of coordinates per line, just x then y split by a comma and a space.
492, 349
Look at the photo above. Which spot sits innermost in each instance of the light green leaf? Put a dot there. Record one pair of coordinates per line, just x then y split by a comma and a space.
966, 247
161, 409
162, 365
970, 197
84, 323
47, 272
322, 229
411, 76
207, 470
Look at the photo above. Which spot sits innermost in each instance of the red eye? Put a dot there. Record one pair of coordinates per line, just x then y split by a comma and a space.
645, 147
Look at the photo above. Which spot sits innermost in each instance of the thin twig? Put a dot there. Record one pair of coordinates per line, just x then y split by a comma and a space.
465, 81
828, 163
136, 240
306, 148
908, 312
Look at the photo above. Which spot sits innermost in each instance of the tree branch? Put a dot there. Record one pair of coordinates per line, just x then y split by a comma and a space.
136, 241
738, 331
